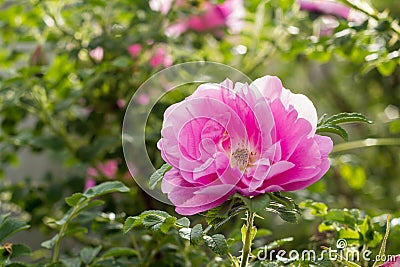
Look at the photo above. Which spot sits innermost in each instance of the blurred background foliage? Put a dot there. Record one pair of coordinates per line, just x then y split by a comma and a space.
69, 68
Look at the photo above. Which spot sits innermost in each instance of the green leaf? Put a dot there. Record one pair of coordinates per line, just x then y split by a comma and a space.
158, 175
217, 243
321, 119
10, 227
49, 244
185, 222
88, 254
257, 204
153, 222
130, 222
89, 205
76, 230
316, 208
106, 188
223, 213
167, 224
3, 218
196, 234
72, 262
395, 126
118, 252
343, 216
387, 67
74, 199
20, 250
326, 226
185, 233
330, 128
346, 117
218, 214
285, 214
348, 233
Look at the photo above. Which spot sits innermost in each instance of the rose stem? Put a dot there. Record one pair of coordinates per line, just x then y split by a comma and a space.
247, 239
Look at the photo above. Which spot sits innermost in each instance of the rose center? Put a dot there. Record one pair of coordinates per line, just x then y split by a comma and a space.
240, 158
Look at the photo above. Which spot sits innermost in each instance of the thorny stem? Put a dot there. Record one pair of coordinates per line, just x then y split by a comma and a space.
247, 239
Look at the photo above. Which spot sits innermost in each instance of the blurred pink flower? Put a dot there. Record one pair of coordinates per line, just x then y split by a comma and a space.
392, 263
332, 7
143, 99
214, 17
251, 139
97, 53
89, 183
91, 172
162, 6
121, 103
134, 50
108, 168
160, 58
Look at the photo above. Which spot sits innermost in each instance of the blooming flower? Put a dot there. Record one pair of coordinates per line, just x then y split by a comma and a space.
395, 262
134, 50
331, 7
251, 139
97, 53
160, 58
214, 16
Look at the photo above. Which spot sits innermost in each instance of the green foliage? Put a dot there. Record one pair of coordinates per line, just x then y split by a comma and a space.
256, 204
330, 125
9, 227
10, 251
216, 243
157, 176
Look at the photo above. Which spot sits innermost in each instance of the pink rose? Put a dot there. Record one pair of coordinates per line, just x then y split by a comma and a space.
160, 58
134, 50
395, 262
251, 139
331, 7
